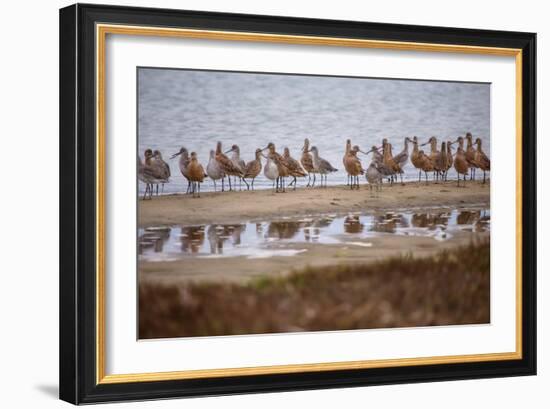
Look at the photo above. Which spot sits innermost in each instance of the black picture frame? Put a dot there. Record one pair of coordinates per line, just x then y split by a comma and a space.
78, 360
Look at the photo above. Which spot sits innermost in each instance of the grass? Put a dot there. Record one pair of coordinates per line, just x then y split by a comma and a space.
449, 288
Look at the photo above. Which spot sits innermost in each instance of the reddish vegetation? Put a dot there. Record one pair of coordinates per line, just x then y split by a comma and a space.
450, 288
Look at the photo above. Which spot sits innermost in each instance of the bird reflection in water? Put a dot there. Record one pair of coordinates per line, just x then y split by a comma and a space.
430, 221
353, 225
219, 234
191, 239
153, 238
283, 229
388, 223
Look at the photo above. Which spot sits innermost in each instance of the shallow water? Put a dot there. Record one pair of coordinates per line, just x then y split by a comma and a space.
273, 238
197, 108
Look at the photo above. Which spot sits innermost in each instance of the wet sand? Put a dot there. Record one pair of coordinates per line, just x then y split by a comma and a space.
237, 206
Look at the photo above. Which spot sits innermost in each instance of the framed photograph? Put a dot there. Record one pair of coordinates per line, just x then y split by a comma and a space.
257, 203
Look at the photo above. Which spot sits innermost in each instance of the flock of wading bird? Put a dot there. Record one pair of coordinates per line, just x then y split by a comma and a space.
154, 171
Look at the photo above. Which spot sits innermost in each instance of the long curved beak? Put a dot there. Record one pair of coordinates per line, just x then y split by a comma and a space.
424, 144
174, 155
230, 150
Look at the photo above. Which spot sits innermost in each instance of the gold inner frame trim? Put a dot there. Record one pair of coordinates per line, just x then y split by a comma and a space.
101, 33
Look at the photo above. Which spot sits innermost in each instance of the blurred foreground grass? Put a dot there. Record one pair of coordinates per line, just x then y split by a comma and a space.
449, 288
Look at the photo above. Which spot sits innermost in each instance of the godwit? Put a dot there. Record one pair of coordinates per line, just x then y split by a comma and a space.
321, 166
238, 162
346, 153
483, 162
253, 168
388, 160
415, 158
226, 164
282, 166
146, 175
214, 170
402, 157
434, 156
471, 156
353, 167
271, 171
378, 159
427, 164
162, 168
441, 160
460, 162
374, 176
294, 167
449, 159
183, 162
196, 174
307, 162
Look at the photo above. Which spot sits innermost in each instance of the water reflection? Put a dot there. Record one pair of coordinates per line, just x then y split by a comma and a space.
248, 239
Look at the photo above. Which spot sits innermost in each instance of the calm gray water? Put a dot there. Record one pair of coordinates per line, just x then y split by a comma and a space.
261, 239
197, 108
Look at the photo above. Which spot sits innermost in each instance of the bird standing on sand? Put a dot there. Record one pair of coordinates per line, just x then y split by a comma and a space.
214, 170
253, 169
471, 156
271, 171
483, 162
228, 168
374, 176
238, 162
388, 160
307, 163
321, 166
162, 168
460, 162
434, 156
146, 174
183, 162
441, 160
426, 164
196, 174
402, 157
353, 166
294, 168
282, 166
415, 158
449, 159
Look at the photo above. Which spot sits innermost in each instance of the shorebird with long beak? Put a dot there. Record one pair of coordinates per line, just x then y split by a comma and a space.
146, 174
402, 157
228, 168
441, 160
196, 174
353, 167
162, 168
183, 153
238, 162
271, 171
471, 156
346, 155
482, 160
253, 169
321, 166
378, 159
307, 163
449, 159
434, 156
294, 168
388, 160
214, 170
427, 164
374, 176
460, 162
415, 158
282, 166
